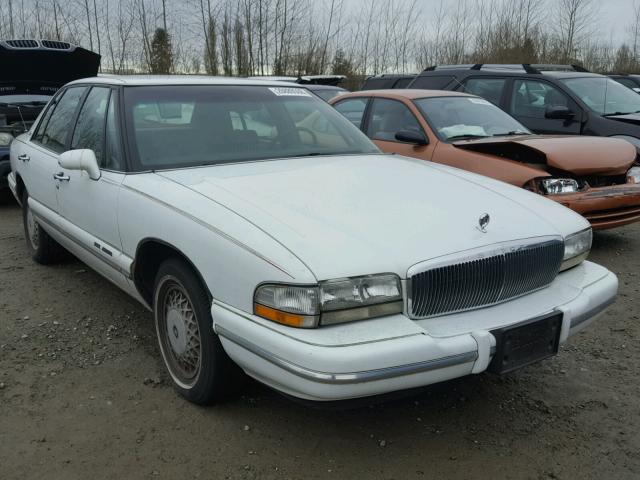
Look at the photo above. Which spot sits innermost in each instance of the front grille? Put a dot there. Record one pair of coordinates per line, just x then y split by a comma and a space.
55, 45
483, 278
22, 43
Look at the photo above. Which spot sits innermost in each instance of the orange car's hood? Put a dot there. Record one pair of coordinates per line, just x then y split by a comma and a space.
579, 155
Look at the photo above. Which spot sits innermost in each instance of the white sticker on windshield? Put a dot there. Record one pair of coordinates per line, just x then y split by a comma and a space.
290, 92
479, 101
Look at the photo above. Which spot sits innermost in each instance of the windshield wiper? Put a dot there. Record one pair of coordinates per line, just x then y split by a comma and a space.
467, 136
511, 133
619, 113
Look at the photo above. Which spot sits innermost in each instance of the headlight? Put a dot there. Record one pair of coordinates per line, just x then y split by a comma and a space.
5, 139
332, 301
576, 248
554, 186
634, 174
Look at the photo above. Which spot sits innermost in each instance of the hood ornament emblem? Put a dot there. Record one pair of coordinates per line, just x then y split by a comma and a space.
483, 222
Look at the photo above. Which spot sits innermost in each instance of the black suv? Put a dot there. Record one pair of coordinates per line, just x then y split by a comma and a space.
549, 99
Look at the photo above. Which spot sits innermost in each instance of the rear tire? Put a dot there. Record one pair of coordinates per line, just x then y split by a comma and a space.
42, 248
200, 369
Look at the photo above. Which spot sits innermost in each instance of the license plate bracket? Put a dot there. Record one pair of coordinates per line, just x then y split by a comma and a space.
526, 343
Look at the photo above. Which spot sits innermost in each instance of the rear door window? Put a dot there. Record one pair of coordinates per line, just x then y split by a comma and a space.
488, 88
54, 135
436, 82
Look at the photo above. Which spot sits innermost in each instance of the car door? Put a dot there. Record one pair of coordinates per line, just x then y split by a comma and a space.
530, 101
386, 117
90, 206
38, 157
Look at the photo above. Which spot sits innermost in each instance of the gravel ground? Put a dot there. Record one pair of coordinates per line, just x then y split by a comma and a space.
83, 394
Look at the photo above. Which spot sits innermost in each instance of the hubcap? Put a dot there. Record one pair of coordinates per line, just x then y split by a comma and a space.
180, 335
33, 230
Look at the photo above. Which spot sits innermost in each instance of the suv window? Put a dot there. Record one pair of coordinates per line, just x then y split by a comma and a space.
403, 82
437, 82
489, 88
530, 98
389, 117
53, 132
353, 109
627, 82
90, 131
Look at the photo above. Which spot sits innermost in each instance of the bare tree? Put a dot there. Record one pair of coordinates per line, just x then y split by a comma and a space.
575, 22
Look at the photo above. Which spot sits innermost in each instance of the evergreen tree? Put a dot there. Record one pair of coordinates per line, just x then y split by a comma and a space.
161, 56
211, 63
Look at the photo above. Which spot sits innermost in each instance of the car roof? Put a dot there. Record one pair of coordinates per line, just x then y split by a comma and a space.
406, 93
148, 80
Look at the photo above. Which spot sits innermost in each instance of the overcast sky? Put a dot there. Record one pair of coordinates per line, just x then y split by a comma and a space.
616, 15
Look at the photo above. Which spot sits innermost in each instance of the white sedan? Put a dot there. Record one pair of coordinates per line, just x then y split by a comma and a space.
294, 249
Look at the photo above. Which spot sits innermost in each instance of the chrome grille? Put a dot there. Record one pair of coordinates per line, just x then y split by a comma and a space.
56, 45
22, 43
482, 277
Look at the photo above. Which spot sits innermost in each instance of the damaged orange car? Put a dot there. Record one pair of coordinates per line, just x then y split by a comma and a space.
594, 176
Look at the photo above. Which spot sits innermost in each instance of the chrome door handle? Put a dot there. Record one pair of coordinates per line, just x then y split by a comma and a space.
61, 177
24, 157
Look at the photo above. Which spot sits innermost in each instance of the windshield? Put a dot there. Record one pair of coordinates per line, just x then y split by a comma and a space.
40, 99
454, 118
604, 95
181, 126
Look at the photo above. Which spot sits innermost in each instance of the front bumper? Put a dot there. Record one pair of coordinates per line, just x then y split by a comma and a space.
605, 207
395, 353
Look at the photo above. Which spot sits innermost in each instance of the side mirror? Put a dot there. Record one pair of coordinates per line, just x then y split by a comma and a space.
84, 159
410, 136
559, 113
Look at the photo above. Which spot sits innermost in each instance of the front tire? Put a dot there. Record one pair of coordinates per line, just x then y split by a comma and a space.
42, 248
200, 369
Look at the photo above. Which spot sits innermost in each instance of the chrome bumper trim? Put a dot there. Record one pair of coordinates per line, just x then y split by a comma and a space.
350, 377
583, 317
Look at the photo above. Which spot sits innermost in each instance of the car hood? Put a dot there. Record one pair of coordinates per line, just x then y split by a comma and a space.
580, 155
48, 67
633, 118
354, 215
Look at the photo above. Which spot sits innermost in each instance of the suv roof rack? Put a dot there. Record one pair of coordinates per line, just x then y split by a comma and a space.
546, 67
392, 75
514, 67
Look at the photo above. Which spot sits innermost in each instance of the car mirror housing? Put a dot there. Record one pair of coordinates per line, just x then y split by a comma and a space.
410, 136
82, 159
559, 112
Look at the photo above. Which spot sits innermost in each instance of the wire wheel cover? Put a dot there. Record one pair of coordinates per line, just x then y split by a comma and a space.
180, 335
33, 229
